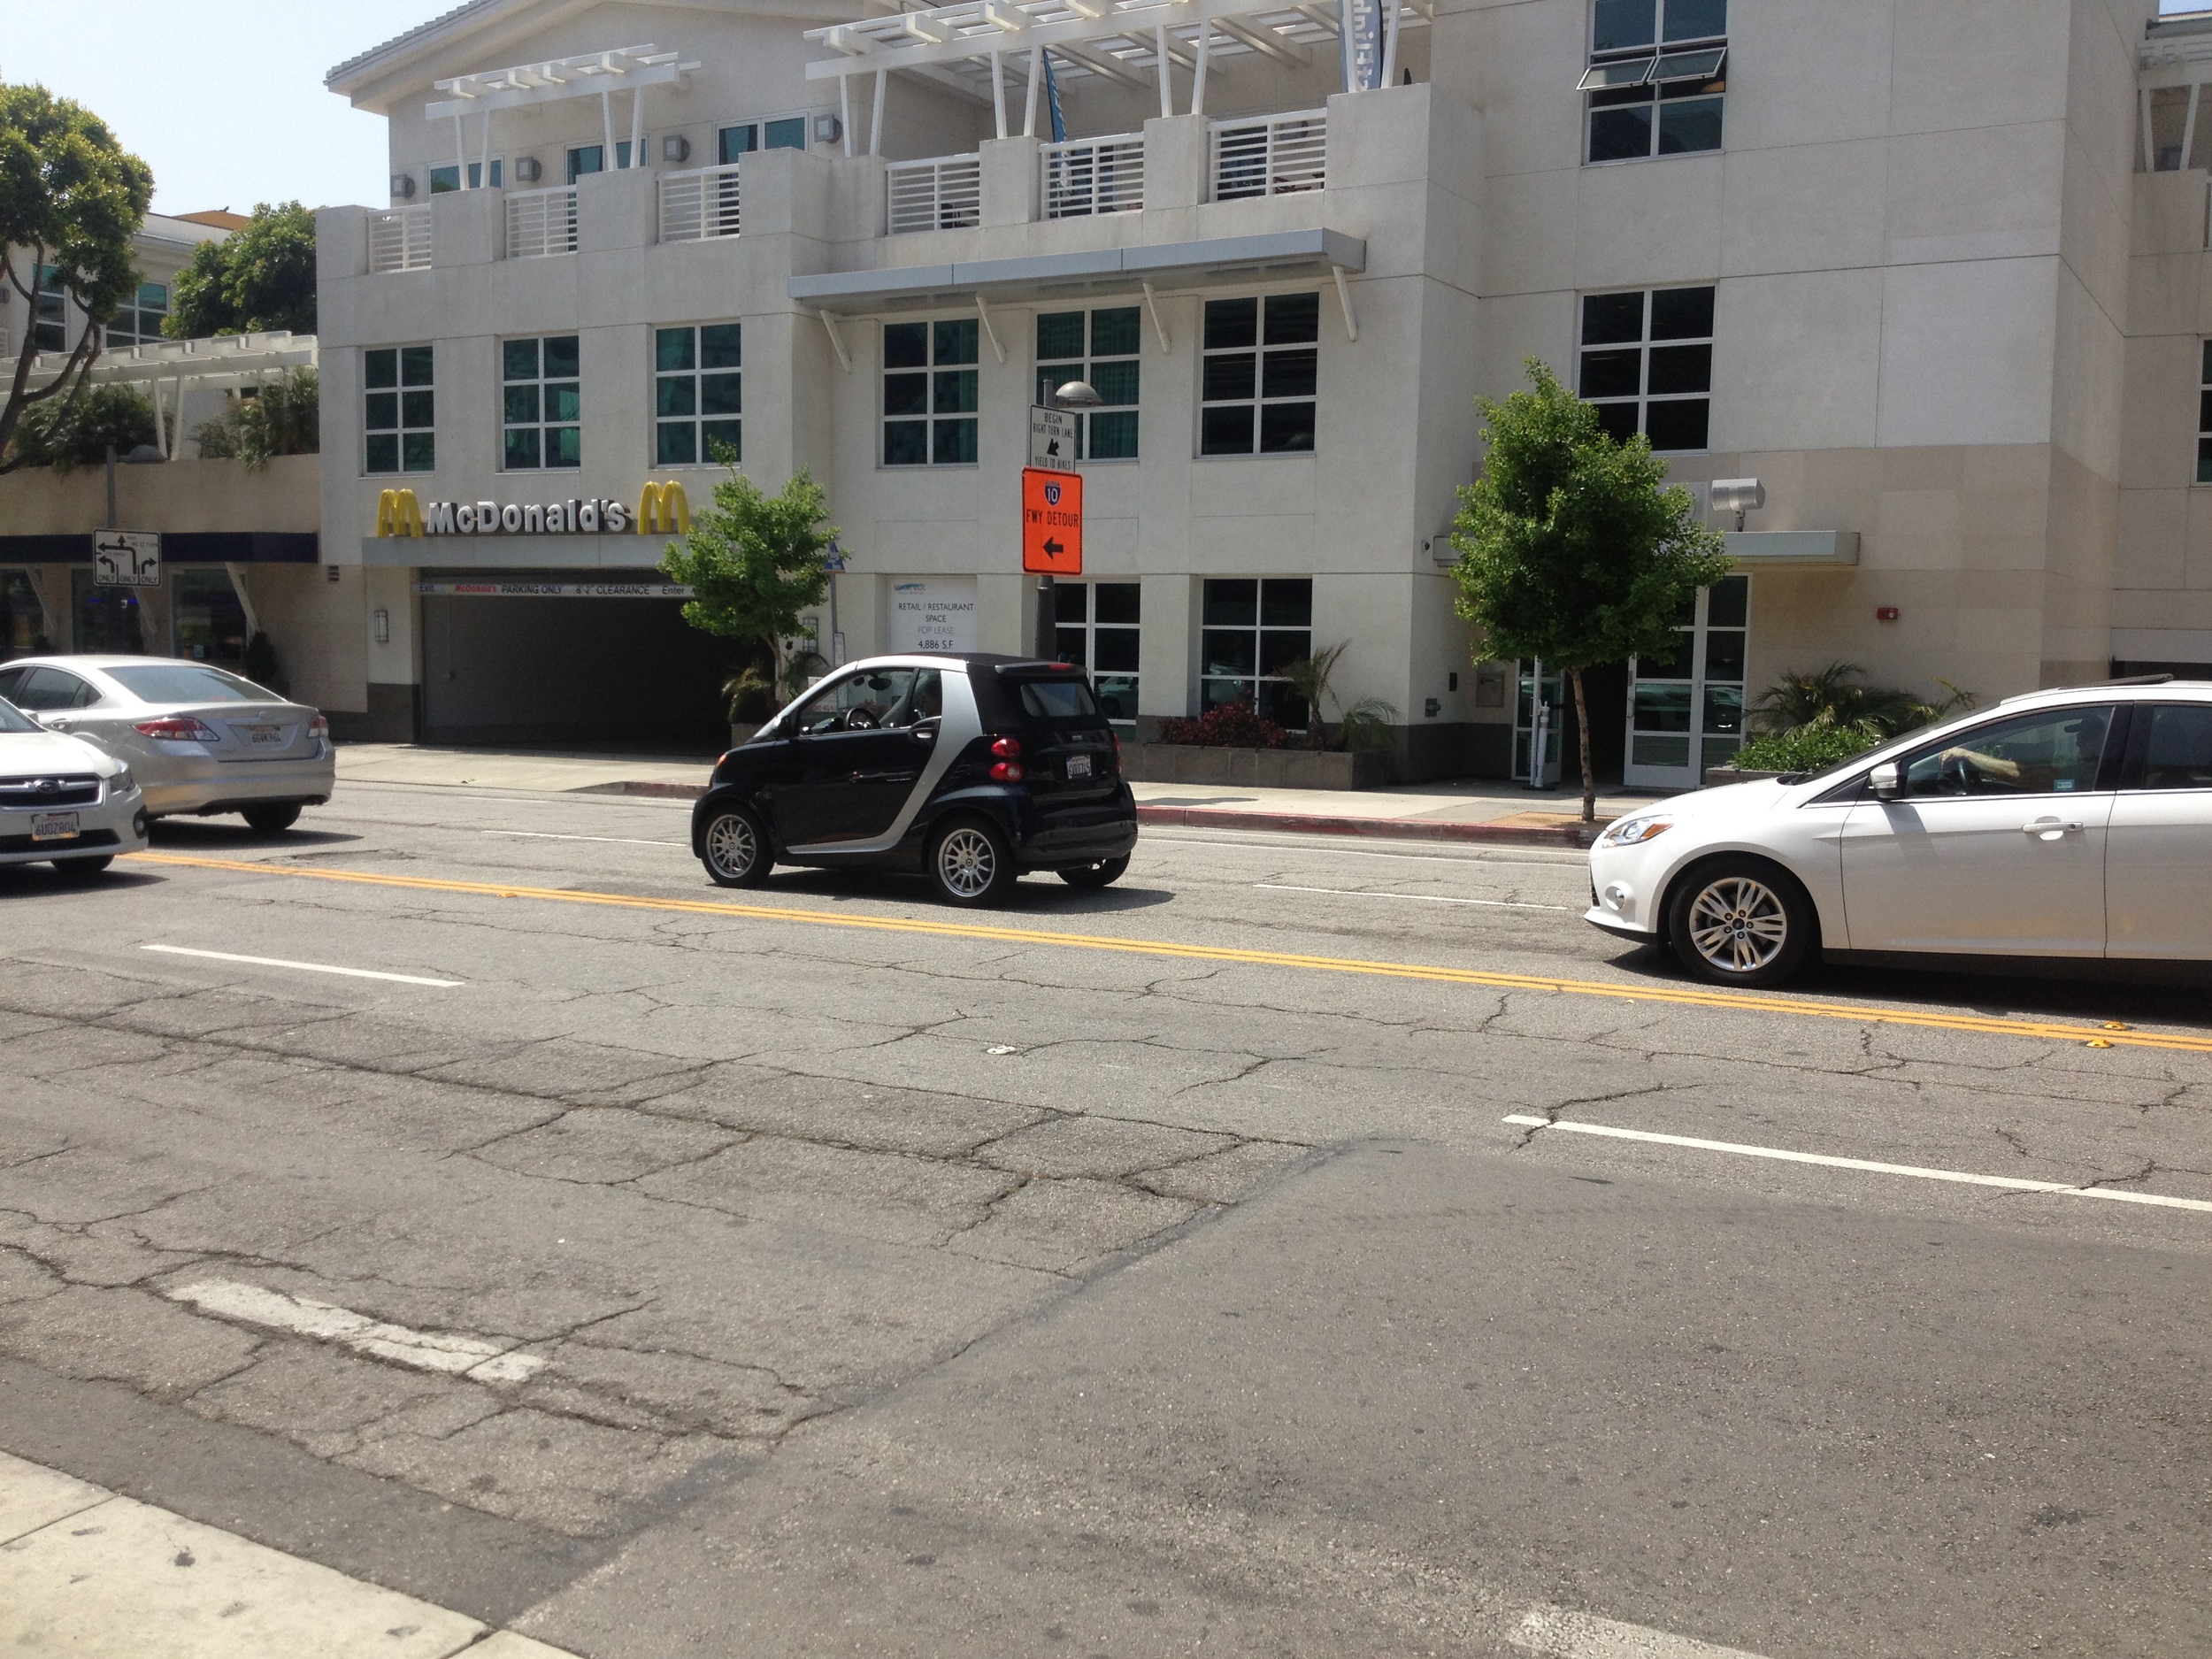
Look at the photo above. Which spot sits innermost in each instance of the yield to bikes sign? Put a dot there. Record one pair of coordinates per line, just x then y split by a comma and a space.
1052, 522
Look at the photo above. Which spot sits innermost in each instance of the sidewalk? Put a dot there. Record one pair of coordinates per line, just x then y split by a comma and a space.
83, 1570
1467, 809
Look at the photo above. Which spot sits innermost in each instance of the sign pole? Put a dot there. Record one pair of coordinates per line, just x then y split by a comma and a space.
1052, 505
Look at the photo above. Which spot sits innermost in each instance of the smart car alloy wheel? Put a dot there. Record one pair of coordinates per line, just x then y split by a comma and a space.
734, 852
969, 864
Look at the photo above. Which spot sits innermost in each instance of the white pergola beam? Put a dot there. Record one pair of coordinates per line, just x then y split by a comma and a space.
1264, 40
526, 84
1102, 64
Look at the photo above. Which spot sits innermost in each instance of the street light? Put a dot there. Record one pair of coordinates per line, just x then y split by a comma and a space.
1067, 394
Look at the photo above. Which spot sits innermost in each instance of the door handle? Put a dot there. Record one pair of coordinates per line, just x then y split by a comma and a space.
2049, 829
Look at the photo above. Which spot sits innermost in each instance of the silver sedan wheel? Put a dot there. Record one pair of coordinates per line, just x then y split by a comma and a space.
732, 847
1739, 924
966, 862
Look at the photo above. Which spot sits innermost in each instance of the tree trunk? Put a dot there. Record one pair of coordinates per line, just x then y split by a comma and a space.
1582, 741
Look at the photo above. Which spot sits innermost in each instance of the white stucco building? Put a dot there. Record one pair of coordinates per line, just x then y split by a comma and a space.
1931, 270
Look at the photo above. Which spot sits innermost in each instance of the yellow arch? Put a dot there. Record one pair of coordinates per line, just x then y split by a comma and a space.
398, 513
664, 509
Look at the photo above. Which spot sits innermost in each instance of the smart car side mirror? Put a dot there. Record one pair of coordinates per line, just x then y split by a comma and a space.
1884, 781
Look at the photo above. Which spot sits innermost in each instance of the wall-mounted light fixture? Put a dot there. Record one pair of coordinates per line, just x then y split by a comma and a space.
828, 129
380, 626
528, 169
403, 185
676, 147
1739, 495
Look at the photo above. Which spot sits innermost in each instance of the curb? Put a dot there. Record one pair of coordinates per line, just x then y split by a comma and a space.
666, 791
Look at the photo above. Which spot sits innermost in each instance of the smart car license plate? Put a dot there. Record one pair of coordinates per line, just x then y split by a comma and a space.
1079, 765
54, 826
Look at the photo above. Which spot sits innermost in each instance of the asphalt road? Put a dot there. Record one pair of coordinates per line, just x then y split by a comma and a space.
819, 1270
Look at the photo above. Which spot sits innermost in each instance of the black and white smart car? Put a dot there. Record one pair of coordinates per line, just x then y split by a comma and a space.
971, 770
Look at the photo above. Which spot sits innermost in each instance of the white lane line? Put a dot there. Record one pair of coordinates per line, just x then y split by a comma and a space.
612, 840
425, 1350
2010, 1183
1419, 898
305, 967
1562, 1634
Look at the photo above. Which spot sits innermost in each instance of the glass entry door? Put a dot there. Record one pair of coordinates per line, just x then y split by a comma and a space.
1539, 710
1686, 713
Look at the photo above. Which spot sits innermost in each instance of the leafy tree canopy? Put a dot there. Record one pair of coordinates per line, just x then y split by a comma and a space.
255, 279
71, 199
77, 434
755, 561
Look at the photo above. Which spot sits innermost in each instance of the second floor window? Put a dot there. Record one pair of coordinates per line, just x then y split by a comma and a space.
1657, 73
930, 393
698, 394
1100, 347
593, 158
785, 132
1262, 368
1647, 363
448, 178
138, 323
542, 402
50, 314
398, 410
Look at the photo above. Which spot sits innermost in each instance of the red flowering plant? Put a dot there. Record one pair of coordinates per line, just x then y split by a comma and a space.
1226, 726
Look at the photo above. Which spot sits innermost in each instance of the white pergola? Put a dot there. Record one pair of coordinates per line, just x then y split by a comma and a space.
227, 362
1129, 42
601, 74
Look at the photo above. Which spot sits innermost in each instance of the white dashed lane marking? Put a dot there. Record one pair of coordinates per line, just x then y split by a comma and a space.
470, 1356
1559, 1633
303, 967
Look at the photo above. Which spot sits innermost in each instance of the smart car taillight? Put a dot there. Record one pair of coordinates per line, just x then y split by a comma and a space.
179, 729
1006, 771
1007, 748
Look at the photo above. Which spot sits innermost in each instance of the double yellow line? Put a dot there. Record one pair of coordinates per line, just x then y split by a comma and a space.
1676, 995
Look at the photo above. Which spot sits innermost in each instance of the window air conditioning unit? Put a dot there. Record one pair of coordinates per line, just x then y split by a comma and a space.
675, 148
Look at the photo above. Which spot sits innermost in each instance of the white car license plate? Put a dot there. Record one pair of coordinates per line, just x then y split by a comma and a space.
1079, 765
260, 735
54, 826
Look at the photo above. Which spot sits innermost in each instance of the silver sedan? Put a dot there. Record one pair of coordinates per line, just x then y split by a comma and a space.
199, 739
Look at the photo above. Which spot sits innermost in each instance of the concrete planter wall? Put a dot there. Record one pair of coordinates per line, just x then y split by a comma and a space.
1256, 768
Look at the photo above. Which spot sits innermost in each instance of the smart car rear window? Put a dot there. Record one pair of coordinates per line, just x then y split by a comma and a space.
188, 682
1057, 699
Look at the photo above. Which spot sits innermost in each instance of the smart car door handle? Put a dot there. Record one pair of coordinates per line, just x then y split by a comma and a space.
2051, 828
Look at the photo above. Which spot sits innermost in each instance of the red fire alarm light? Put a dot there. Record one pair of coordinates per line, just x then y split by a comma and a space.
1885, 613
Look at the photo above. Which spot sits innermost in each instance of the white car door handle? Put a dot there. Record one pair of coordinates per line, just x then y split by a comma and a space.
2050, 829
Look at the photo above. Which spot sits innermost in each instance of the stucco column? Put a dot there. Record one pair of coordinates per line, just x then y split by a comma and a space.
1009, 180
1174, 161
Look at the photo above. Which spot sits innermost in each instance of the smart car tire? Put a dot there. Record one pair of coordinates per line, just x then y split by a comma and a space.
1740, 921
971, 863
735, 849
1098, 875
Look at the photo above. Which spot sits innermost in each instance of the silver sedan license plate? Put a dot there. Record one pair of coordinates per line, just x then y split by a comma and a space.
54, 826
1079, 765
259, 734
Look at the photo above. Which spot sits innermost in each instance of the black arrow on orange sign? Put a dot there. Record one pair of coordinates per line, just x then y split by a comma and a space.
1054, 549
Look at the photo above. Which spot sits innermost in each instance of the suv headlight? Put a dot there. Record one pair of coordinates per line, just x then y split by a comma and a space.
1632, 832
121, 783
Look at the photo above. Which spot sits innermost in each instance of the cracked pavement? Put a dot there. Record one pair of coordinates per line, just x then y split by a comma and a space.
740, 1190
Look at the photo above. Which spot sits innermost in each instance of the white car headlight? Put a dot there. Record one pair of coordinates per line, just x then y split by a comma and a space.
1630, 832
122, 783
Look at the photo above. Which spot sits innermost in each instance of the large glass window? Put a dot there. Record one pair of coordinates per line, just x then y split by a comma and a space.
398, 410
542, 403
593, 158
448, 178
1647, 363
108, 619
2051, 752
698, 394
1261, 371
1250, 631
1095, 628
1100, 347
207, 624
2204, 417
22, 617
730, 142
50, 312
138, 322
1656, 78
930, 393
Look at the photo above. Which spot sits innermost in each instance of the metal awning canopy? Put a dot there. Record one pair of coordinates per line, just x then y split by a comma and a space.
224, 363
588, 75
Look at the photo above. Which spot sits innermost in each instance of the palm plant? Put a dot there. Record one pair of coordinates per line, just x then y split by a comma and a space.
1831, 698
1364, 724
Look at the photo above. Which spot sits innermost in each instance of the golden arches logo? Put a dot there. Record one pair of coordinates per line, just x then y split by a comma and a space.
398, 513
663, 510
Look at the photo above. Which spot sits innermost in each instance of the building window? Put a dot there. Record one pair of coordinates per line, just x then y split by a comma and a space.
730, 142
50, 315
786, 132
2204, 419
1658, 70
698, 394
1647, 363
1095, 628
448, 178
1250, 631
398, 410
593, 158
139, 322
207, 624
543, 403
930, 395
1100, 347
1262, 365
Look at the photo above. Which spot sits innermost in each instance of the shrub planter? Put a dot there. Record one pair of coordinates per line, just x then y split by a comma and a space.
742, 733
1257, 768
1716, 776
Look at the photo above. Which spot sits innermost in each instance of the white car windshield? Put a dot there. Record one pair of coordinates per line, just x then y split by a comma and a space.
188, 682
12, 720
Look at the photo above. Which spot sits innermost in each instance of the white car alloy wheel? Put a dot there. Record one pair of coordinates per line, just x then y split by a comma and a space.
967, 862
1739, 924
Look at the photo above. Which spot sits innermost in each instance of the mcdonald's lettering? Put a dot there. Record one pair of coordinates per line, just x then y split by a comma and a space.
399, 514
663, 510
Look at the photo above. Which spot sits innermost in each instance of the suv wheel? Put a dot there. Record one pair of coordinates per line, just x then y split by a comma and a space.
1741, 921
971, 863
735, 849
1098, 875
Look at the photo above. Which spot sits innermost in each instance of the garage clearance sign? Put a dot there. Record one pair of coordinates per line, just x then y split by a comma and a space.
558, 590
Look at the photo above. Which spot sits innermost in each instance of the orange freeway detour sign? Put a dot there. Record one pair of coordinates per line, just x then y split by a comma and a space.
1052, 522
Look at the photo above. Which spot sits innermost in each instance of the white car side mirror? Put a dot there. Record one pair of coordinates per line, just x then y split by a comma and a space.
1884, 781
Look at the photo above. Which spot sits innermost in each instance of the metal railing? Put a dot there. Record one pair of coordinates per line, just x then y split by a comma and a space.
540, 222
699, 204
943, 192
400, 240
1271, 154
1094, 175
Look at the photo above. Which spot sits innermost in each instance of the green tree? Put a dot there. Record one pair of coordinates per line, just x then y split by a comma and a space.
255, 280
284, 416
755, 561
1572, 547
79, 432
71, 199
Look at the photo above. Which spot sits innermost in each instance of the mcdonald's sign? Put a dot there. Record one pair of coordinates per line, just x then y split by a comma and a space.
398, 513
664, 509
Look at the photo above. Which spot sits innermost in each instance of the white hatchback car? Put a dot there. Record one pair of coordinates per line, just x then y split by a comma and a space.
63, 800
199, 738
2061, 825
